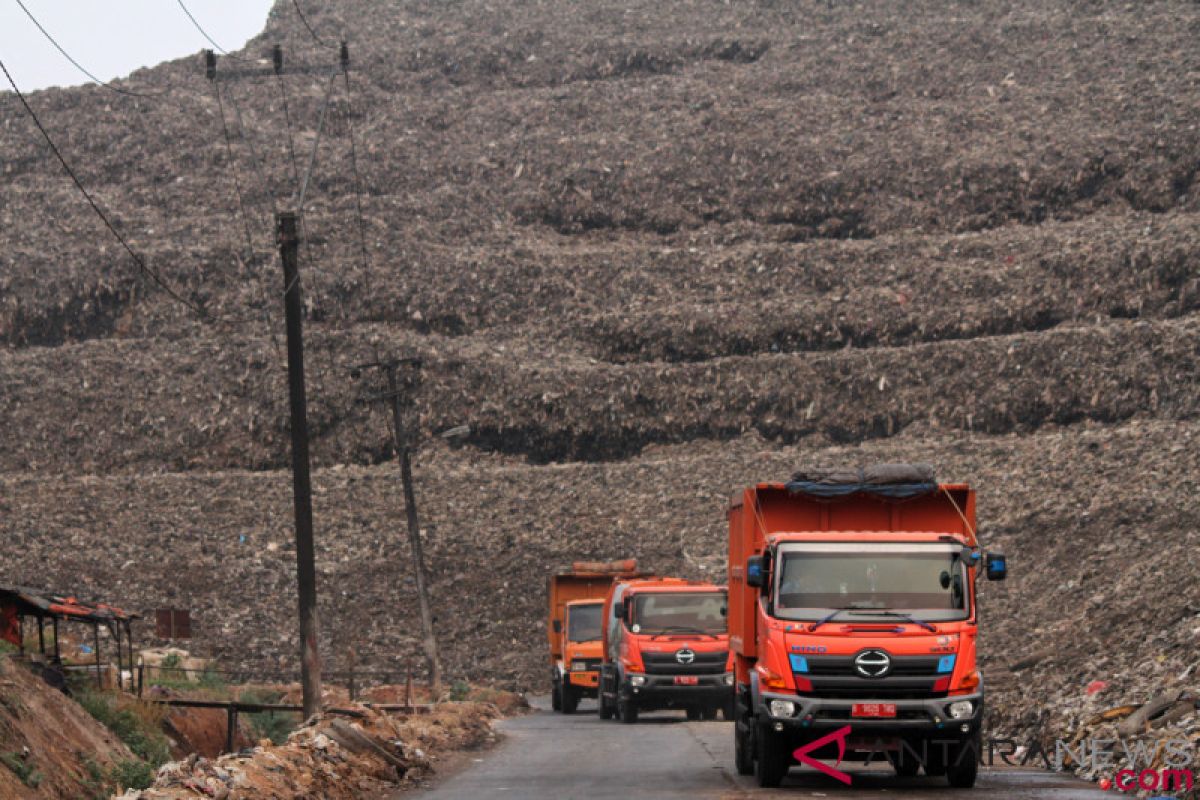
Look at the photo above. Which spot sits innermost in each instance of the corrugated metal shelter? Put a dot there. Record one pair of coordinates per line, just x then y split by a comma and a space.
18, 603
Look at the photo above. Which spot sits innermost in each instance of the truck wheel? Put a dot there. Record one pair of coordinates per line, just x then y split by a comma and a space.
708, 712
964, 764
743, 748
772, 760
570, 700
627, 710
605, 709
694, 713
729, 709
906, 766
556, 697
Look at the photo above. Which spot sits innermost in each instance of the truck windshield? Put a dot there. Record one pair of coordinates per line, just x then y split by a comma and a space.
680, 612
927, 581
583, 622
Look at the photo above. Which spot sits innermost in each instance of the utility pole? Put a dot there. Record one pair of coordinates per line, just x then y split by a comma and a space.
402, 441
306, 574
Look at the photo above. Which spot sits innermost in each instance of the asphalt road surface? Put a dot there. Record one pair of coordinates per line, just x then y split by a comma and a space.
547, 756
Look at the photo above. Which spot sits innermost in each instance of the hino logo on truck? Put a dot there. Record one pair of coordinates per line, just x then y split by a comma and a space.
685, 656
872, 663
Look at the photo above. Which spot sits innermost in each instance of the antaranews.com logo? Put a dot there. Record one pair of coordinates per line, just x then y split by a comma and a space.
1168, 766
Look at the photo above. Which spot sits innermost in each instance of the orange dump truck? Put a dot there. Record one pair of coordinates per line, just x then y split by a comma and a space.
573, 628
853, 622
665, 645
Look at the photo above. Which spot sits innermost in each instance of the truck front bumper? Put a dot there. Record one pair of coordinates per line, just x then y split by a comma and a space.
584, 680
923, 718
665, 688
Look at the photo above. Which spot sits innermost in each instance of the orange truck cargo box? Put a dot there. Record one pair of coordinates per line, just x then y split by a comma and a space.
852, 617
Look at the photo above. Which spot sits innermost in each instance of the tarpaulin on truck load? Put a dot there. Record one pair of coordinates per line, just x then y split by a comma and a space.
883, 480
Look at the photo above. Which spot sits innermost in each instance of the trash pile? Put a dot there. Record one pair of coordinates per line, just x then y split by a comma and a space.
358, 752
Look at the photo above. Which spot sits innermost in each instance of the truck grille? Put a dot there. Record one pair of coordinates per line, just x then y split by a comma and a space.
910, 678
667, 664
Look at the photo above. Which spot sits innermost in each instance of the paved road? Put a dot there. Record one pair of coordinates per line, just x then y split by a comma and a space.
548, 756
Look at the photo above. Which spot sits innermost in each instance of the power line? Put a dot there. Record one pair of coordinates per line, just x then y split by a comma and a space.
204, 33
77, 65
312, 161
311, 32
137, 259
362, 224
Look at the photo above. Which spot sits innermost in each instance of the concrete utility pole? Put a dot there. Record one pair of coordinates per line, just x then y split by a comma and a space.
306, 574
402, 441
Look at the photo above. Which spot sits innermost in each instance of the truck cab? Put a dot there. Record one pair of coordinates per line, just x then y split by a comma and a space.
582, 650
573, 627
853, 621
665, 646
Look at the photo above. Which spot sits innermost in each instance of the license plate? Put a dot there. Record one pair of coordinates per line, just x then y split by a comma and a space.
686, 680
873, 710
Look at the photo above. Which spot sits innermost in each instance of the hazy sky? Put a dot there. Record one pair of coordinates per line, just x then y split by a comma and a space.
112, 38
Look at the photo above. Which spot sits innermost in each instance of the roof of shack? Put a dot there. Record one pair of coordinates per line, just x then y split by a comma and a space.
47, 604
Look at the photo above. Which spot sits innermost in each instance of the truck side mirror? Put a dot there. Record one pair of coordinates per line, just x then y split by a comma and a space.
558, 626
754, 571
996, 566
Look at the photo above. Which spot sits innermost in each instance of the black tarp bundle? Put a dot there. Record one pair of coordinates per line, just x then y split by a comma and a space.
883, 480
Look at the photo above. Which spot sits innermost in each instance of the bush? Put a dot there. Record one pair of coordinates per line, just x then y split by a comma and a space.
132, 775
137, 724
273, 725
22, 768
460, 690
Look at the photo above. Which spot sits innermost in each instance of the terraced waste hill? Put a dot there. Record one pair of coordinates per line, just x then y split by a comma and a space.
649, 251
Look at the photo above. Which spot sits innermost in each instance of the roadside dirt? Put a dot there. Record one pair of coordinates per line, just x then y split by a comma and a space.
50, 746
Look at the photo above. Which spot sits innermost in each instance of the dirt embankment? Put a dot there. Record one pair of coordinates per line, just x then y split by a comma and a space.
49, 746
340, 756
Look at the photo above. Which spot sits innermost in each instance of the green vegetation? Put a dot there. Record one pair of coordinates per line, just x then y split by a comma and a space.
273, 725
22, 768
460, 690
132, 774
137, 724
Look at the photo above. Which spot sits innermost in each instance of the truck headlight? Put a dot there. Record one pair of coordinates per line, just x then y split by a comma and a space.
637, 680
579, 666
961, 709
782, 708
729, 679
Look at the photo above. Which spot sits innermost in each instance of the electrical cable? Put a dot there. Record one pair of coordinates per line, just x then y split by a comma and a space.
255, 161
76, 64
312, 161
362, 225
311, 32
204, 33
137, 259
287, 117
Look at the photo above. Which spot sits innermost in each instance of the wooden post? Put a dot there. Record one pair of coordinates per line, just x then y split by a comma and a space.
96, 641
404, 453
306, 577
42, 634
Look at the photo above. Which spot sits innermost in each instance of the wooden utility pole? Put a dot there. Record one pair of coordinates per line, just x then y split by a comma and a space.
402, 441
306, 574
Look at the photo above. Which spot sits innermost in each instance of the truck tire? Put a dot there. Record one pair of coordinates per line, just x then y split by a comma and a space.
772, 759
729, 709
694, 713
709, 712
604, 709
627, 710
743, 748
964, 764
570, 700
556, 697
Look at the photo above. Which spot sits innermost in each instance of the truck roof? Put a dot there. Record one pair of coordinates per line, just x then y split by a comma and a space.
675, 585
595, 601
867, 536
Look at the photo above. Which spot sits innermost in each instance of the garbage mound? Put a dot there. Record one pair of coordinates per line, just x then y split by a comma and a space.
357, 752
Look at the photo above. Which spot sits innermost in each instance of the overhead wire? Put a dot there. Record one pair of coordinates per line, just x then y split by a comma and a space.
204, 33
141, 264
309, 28
358, 203
312, 161
76, 64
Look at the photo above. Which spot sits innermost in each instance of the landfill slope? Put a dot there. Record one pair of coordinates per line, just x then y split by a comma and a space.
649, 252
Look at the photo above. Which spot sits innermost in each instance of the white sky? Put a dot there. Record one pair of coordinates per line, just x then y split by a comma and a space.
112, 38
